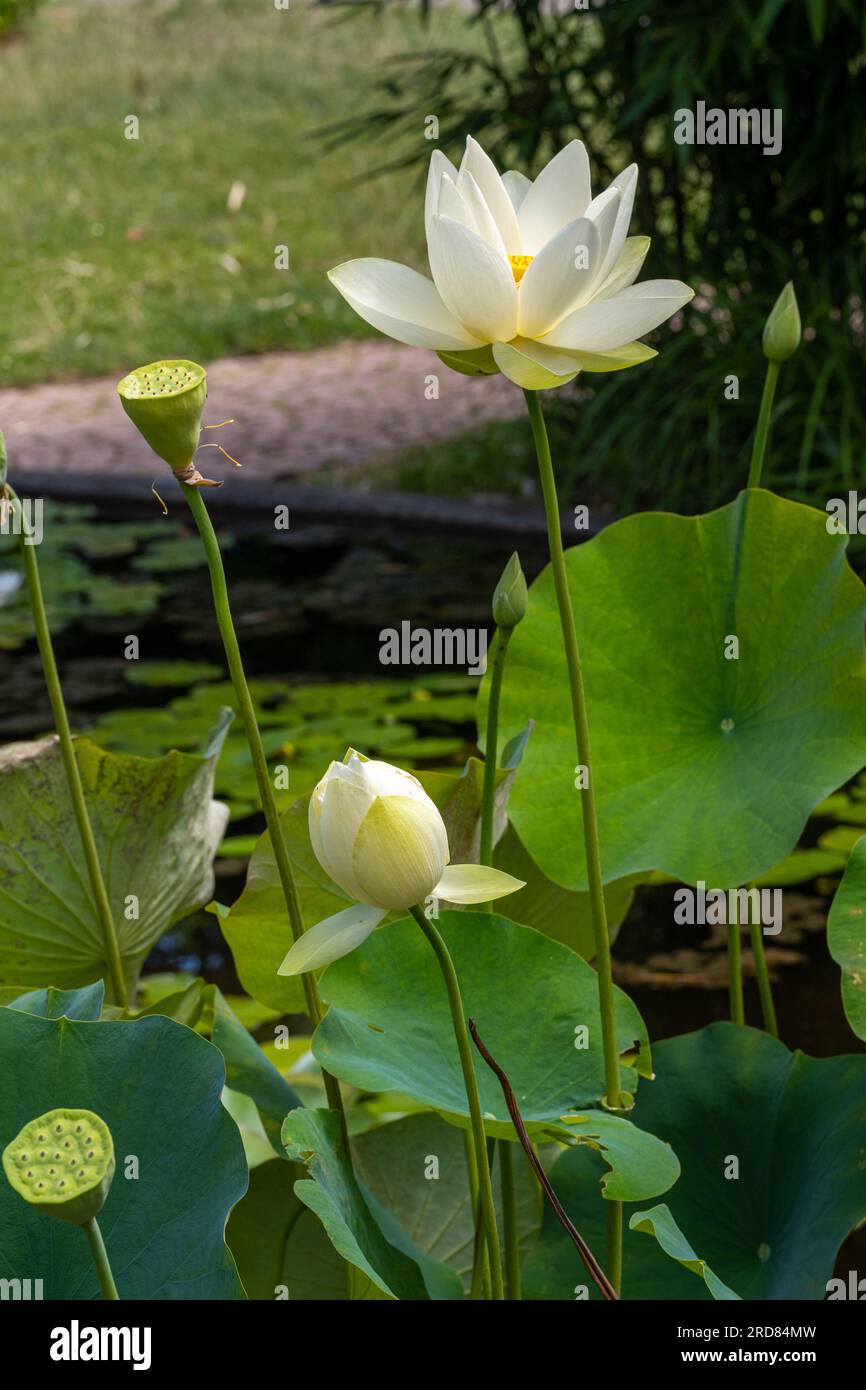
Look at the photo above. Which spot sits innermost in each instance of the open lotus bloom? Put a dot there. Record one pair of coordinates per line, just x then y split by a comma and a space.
378, 835
534, 279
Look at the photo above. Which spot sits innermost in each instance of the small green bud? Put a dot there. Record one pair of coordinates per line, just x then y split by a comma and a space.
509, 597
164, 401
62, 1163
782, 329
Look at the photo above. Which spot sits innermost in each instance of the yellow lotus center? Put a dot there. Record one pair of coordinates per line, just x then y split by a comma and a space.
518, 266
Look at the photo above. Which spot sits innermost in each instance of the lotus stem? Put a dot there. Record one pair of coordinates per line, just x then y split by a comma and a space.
604, 971
100, 1260
116, 978
222, 608
509, 1221
501, 639
735, 977
762, 975
759, 446
479, 1145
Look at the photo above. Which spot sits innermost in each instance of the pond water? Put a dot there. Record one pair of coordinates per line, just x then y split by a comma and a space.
309, 609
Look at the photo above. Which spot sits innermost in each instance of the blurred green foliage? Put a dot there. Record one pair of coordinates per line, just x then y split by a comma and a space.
14, 14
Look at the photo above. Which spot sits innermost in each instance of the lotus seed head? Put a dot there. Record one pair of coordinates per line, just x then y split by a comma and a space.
78, 1194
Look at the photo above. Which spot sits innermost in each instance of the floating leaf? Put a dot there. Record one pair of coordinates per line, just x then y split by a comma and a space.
846, 937
536, 1004
705, 767
157, 1087
156, 831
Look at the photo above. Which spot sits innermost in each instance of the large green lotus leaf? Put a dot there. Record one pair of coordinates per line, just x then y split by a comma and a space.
281, 1247
558, 912
389, 1024
156, 831
846, 937
157, 1086
249, 1071
659, 1223
312, 1137
416, 1168
705, 767
795, 1125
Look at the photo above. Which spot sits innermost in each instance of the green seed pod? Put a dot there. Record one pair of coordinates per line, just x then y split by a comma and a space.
164, 401
509, 596
782, 329
62, 1163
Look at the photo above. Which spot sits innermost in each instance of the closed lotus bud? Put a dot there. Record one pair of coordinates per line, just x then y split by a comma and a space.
164, 401
782, 329
62, 1163
377, 834
509, 597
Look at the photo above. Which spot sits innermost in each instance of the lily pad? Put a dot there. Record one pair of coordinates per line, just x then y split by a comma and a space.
846, 937
156, 831
389, 1024
705, 767
773, 1152
180, 1162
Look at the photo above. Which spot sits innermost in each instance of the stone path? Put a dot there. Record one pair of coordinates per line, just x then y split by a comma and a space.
294, 413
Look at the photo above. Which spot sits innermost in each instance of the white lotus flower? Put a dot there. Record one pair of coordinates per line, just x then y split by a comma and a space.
534, 279
377, 834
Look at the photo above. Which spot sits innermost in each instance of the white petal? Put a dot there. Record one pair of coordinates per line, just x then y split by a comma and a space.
558, 361
524, 370
627, 267
440, 165
474, 280
557, 277
484, 172
475, 883
610, 323
400, 852
558, 196
626, 182
464, 202
334, 827
400, 302
329, 940
517, 186
603, 212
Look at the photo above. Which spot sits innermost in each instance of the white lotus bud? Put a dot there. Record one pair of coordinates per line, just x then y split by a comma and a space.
377, 834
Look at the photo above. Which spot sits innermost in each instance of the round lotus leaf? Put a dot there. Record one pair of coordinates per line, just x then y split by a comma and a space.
164, 401
63, 1163
723, 660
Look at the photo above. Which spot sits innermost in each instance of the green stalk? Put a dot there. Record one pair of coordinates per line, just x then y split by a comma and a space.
735, 978
501, 639
614, 1098
509, 1221
222, 609
100, 1259
762, 975
759, 447
480, 1262
614, 1245
464, 1048
113, 961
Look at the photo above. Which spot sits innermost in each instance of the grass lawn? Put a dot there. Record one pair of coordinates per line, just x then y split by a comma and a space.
118, 251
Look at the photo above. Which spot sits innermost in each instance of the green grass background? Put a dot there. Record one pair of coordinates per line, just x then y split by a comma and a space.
113, 248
